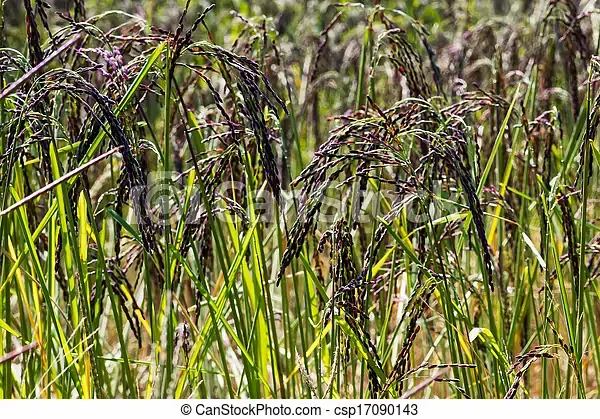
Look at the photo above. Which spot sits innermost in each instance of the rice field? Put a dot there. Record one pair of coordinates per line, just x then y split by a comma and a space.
277, 199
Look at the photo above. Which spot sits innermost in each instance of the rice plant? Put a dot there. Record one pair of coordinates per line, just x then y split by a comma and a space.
281, 200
